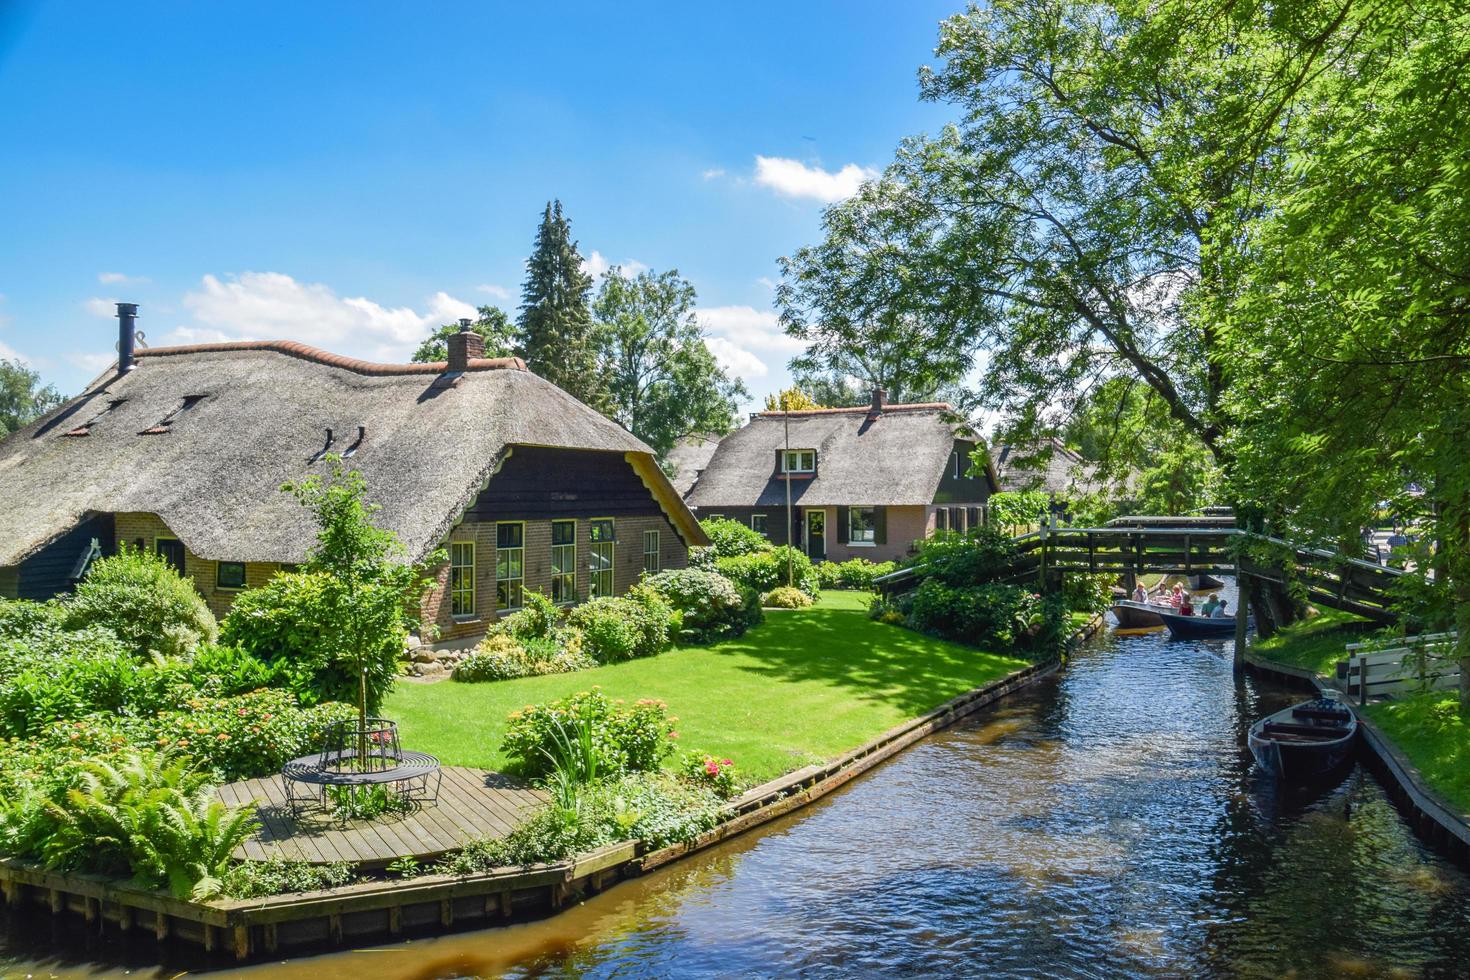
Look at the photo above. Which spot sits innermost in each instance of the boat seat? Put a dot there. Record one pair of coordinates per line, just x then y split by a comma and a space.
1316, 731
1324, 714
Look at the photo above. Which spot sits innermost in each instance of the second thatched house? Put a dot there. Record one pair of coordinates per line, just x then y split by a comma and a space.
865, 482
183, 450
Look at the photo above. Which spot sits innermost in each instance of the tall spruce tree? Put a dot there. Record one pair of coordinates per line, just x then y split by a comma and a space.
557, 335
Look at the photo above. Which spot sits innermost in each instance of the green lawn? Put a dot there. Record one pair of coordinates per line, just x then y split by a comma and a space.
806, 685
1432, 731
1317, 643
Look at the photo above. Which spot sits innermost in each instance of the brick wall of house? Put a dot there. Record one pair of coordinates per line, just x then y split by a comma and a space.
627, 569
146, 529
905, 526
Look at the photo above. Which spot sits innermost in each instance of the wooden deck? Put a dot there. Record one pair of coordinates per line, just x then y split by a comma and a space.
473, 803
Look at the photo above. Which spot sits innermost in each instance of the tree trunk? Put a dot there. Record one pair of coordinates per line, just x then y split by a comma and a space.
1265, 625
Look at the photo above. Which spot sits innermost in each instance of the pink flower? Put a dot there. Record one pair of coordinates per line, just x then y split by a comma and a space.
726, 762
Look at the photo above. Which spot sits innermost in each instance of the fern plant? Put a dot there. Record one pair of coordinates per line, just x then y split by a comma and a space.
148, 815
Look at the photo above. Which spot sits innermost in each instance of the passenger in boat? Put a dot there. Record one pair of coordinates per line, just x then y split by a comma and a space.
1186, 608
1177, 597
1210, 604
1219, 612
1140, 594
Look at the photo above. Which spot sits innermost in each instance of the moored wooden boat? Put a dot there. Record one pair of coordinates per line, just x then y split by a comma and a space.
1137, 615
1201, 583
1304, 741
1197, 627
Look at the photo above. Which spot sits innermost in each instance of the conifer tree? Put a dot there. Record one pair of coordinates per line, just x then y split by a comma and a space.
557, 335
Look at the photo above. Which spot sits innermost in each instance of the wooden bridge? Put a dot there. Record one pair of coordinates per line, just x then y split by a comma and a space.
1194, 546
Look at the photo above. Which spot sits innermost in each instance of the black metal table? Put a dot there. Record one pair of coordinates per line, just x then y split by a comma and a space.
415, 777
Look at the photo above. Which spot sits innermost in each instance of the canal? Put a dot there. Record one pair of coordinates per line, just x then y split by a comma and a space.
1106, 822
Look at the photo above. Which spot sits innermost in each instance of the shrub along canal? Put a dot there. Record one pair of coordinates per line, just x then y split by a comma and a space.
1104, 822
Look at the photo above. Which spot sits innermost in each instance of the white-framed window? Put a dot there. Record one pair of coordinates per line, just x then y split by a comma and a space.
563, 562
600, 557
510, 565
957, 472
650, 552
799, 461
758, 523
862, 525
461, 578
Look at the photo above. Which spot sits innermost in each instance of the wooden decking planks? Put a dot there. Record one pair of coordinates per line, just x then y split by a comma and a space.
472, 804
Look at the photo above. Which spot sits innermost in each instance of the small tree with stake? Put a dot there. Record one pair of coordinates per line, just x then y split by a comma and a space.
375, 594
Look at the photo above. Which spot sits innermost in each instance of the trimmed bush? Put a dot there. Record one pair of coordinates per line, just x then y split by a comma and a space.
855, 573
624, 736
766, 570
141, 598
730, 538
711, 606
536, 620
1088, 593
965, 560
21, 619
992, 616
786, 598
616, 629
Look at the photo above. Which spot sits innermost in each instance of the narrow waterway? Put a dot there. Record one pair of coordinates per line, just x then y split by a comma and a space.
1107, 822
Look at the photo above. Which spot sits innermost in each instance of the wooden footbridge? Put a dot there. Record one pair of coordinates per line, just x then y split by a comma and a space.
1130, 546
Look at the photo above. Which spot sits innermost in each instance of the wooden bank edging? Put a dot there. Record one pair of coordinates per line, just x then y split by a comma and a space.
1431, 815
389, 908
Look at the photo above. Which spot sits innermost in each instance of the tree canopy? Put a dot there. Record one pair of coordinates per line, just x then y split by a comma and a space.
556, 333
23, 398
492, 324
663, 382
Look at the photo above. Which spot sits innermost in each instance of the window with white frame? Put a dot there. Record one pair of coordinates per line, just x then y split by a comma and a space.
461, 578
600, 558
510, 565
957, 471
862, 525
650, 552
758, 523
563, 561
799, 461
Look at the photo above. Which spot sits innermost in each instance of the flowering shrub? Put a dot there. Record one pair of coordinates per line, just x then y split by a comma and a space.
711, 772
250, 735
624, 736
502, 657
1088, 593
710, 604
786, 598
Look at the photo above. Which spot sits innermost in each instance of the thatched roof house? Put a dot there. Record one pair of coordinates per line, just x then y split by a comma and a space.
185, 451
865, 482
689, 457
1048, 466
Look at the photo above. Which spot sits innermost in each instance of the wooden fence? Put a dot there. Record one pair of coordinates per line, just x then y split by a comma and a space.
1417, 663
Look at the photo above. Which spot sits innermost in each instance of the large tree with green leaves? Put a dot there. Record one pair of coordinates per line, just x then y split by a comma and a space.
663, 382
23, 397
556, 333
493, 326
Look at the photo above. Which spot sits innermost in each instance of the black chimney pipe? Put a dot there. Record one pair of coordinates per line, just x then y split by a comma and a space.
127, 322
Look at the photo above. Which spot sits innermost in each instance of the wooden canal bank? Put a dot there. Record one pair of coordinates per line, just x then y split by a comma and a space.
1433, 818
429, 903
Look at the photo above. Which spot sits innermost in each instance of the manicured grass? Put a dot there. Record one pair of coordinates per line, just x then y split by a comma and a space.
1317, 643
1432, 731
804, 686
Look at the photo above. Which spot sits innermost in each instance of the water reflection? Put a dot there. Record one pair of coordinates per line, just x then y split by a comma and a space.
1106, 823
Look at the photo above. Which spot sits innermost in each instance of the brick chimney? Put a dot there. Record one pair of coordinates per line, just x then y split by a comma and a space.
880, 402
127, 329
464, 347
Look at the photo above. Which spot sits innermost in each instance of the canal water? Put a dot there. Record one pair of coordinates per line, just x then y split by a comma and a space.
1105, 823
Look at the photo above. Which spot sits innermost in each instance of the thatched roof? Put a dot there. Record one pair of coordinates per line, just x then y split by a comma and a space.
689, 457
895, 459
1048, 466
429, 442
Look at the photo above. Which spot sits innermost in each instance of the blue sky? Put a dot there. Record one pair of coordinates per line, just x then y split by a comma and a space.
349, 175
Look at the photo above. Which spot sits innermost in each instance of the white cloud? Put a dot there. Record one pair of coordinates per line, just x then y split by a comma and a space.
766, 281
97, 306
713, 172
795, 179
96, 363
737, 361
499, 292
271, 305
121, 279
8, 353
596, 266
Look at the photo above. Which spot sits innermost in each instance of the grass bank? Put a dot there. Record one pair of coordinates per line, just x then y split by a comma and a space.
806, 685
1315, 644
1429, 728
